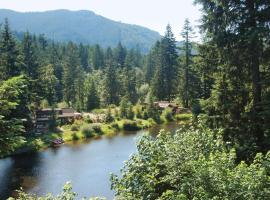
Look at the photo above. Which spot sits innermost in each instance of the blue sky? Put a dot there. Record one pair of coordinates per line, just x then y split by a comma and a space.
154, 14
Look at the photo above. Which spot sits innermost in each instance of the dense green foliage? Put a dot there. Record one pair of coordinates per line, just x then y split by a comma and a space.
11, 126
226, 80
165, 75
237, 33
67, 194
81, 27
191, 164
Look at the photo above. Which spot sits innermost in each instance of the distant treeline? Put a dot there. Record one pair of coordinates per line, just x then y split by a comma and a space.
227, 79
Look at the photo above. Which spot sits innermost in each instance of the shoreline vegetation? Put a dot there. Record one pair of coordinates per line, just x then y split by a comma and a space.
110, 123
224, 79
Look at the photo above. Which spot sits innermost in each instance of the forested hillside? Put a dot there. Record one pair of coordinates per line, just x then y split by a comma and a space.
222, 154
81, 27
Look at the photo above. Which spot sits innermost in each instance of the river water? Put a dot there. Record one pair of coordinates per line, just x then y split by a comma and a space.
86, 164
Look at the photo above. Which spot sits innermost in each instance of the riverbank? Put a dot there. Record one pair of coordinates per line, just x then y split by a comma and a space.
87, 129
46, 171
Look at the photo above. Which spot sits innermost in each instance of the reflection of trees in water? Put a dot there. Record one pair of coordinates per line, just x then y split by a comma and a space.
6, 171
54, 150
18, 171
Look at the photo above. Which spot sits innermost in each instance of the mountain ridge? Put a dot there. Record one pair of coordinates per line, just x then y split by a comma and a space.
81, 26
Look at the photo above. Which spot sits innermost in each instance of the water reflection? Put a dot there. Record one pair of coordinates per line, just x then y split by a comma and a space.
18, 171
86, 164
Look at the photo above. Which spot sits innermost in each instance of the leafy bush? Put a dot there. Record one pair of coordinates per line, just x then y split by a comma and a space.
62, 105
167, 114
129, 125
152, 112
115, 125
196, 108
99, 111
74, 127
151, 121
66, 194
44, 103
88, 120
87, 130
191, 164
75, 136
126, 109
130, 113
96, 127
184, 117
109, 118
138, 111
145, 115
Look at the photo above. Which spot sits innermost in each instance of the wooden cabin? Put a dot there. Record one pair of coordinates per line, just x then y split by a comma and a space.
44, 116
166, 104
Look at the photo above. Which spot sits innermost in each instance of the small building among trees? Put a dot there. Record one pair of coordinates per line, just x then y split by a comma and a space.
46, 118
166, 104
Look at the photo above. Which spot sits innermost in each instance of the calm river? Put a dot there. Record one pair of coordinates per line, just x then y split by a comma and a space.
86, 164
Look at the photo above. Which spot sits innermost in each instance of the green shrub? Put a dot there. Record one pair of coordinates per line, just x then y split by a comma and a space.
62, 105
129, 125
75, 136
66, 194
88, 120
130, 113
151, 121
112, 106
99, 111
109, 118
74, 127
87, 131
191, 164
184, 117
115, 125
168, 115
145, 115
138, 111
96, 128
196, 108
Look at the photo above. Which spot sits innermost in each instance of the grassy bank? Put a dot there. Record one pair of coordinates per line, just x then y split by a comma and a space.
86, 128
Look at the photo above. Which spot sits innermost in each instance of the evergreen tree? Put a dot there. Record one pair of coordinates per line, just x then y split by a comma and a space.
84, 57
92, 99
9, 65
164, 84
240, 30
43, 43
49, 83
152, 110
207, 63
129, 85
55, 61
169, 62
152, 61
29, 57
79, 89
70, 74
31, 67
110, 93
120, 55
126, 109
109, 60
97, 58
186, 34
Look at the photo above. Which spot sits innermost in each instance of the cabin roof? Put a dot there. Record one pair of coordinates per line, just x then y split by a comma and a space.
165, 104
